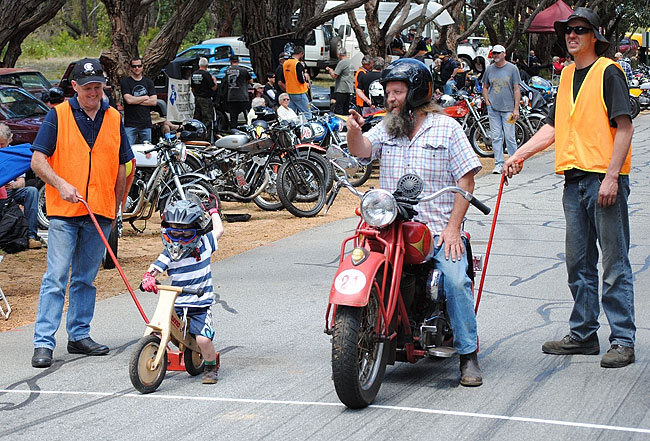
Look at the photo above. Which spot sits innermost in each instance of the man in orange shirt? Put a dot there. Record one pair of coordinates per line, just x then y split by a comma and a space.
297, 84
592, 129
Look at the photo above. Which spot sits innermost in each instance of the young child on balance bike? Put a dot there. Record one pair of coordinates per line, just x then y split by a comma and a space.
186, 258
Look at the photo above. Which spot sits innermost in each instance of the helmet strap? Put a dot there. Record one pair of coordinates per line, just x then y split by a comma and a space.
196, 254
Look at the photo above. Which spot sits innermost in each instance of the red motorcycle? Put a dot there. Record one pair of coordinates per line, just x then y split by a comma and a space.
386, 303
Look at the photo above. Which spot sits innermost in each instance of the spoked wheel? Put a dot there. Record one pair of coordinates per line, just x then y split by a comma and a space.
143, 377
358, 358
43, 221
112, 239
324, 166
482, 144
193, 362
269, 200
301, 187
521, 133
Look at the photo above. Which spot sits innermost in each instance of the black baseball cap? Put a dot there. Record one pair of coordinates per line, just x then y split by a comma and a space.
602, 44
88, 70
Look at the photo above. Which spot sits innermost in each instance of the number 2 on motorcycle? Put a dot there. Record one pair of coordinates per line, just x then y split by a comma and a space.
350, 282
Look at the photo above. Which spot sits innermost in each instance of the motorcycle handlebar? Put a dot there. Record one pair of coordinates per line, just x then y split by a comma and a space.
480, 205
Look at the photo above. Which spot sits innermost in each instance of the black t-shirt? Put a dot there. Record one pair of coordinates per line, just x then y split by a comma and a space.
202, 83
279, 76
447, 69
364, 82
137, 115
615, 90
270, 95
237, 78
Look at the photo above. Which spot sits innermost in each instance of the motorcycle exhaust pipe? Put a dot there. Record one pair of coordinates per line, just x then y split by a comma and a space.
251, 197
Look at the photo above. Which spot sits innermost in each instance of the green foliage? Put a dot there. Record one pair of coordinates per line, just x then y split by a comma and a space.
200, 32
62, 45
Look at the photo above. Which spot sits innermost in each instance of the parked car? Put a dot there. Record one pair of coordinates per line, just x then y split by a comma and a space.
218, 69
22, 112
212, 51
29, 79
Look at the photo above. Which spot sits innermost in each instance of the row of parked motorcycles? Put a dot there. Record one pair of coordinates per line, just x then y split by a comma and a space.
470, 110
274, 164
640, 90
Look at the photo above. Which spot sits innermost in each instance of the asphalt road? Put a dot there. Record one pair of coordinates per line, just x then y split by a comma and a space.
275, 378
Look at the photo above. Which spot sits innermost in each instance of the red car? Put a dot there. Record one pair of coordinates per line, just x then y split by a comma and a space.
29, 79
22, 112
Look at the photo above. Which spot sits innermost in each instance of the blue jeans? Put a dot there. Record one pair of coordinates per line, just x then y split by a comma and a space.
134, 134
28, 198
500, 129
587, 225
300, 104
448, 88
460, 299
73, 244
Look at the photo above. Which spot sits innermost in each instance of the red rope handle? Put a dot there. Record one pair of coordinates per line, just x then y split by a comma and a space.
117, 265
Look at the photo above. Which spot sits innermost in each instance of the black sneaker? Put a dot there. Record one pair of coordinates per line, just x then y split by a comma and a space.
618, 356
569, 345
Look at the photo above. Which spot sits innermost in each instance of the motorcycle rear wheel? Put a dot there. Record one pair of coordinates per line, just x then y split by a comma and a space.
635, 106
43, 220
481, 145
301, 187
200, 187
358, 358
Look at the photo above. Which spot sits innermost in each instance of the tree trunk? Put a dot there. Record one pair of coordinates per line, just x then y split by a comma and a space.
223, 13
93, 20
19, 19
83, 17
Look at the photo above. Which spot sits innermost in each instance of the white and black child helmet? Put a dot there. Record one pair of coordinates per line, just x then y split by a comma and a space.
183, 215
417, 77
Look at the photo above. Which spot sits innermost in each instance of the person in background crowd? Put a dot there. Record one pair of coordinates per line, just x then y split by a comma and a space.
591, 127
60, 157
297, 82
448, 71
25, 196
344, 86
366, 66
270, 93
533, 63
502, 94
280, 85
364, 86
237, 79
285, 113
139, 95
627, 69
203, 87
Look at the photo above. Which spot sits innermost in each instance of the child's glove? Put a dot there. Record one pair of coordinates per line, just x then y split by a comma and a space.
212, 205
149, 283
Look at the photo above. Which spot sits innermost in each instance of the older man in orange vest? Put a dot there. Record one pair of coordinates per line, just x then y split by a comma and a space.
592, 130
80, 152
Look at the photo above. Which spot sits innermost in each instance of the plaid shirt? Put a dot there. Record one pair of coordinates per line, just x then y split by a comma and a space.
439, 153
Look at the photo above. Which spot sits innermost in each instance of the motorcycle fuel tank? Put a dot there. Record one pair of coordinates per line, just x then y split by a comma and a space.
417, 242
144, 159
232, 141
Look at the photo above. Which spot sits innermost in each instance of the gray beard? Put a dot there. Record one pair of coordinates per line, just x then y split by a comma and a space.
399, 124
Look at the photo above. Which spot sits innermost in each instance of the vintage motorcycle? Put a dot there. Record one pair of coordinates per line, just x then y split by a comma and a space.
386, 304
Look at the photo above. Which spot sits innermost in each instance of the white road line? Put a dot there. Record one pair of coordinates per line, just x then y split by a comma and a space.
323, 404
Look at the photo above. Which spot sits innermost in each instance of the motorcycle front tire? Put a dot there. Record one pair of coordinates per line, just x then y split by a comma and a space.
635, 107
478, 141
358, 359
301, 187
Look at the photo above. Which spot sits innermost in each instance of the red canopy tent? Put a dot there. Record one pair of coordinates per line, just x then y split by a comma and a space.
543, 22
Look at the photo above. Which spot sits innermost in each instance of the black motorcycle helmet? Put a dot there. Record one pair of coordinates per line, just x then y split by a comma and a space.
193, 130
415, 74
265, 114
54, 95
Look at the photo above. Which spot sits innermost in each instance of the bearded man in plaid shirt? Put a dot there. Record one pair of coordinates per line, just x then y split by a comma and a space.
416, 137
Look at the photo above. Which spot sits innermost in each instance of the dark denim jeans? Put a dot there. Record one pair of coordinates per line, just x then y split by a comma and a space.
588, 225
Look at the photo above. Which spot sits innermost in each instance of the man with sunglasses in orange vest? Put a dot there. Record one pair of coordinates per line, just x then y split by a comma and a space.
80, 152
591, 126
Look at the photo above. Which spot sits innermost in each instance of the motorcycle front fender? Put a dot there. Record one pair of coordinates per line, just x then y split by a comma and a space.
195, 176
308, 146
353, 283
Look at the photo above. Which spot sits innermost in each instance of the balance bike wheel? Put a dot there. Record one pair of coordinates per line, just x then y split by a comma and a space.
143, 377
193, 362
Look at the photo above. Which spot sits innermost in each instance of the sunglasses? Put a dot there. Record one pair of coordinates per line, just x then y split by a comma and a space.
183, 235
579, 30
136, 65
284, 99
496, 53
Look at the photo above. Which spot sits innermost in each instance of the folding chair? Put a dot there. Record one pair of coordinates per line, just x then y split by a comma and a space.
3, 299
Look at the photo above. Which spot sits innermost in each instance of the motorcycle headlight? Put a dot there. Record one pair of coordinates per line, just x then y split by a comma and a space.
181, 151
378, 208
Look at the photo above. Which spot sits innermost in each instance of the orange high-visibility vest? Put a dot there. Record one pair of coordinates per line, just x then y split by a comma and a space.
584, 138
291, 78
93, 172
360, 102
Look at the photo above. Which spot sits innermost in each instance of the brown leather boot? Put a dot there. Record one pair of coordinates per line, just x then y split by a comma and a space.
209, 374
470, 373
